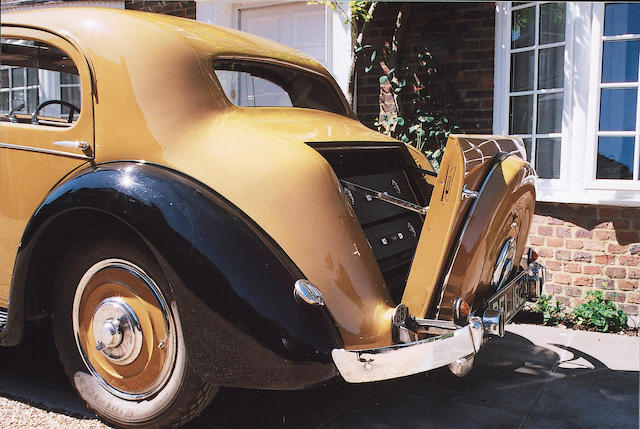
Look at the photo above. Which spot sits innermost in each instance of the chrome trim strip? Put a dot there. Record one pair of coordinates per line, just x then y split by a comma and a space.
47, 151
384, 196
383, 363
4, 316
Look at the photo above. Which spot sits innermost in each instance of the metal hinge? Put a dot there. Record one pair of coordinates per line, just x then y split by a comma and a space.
384, 196
469, 194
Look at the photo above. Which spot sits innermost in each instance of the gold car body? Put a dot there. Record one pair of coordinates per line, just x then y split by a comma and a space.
168, 110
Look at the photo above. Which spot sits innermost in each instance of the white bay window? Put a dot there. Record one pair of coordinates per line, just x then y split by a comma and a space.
566, 81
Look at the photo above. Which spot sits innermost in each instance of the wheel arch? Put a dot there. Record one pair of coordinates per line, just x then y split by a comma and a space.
194, 234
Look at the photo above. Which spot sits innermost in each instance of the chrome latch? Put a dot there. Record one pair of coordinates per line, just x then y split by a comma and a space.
469, 194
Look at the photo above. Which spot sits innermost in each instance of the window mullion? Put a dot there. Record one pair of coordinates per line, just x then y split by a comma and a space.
636, 160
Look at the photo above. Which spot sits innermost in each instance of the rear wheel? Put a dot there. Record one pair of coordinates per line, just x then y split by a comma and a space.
120, 341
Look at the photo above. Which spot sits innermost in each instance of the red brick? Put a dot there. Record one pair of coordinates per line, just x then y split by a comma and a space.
604, 225
545, 252
574, 244
582, 256
605, 283
554, 221
583, 281
564, 300
612, 212
536, 240
605, 259
553, 265
545, 230
616, 296
563, 255
572, 268
633, 297
629, 308
628, 236
597, 246
582, 233
552, 288
573, 291
616, 272
627, 285
634, 273
539, 219
562, 278
631, 261
592, 269
562, 231
630, 213
605, 235
554, 242
616, 248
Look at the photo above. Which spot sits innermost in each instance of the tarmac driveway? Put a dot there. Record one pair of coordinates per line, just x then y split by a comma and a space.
535, 377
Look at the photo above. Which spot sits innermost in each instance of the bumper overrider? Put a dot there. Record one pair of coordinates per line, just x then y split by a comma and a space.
447, 343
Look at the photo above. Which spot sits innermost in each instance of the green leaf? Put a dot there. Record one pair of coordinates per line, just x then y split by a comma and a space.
383, 79
437, 153
367, 69
373, 56
429, 118
397, 89
356, 50
400, 121
404, 138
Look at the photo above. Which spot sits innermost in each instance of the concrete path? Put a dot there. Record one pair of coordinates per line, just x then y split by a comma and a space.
535, 377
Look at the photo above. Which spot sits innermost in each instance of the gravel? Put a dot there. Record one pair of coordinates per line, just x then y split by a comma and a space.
17, 415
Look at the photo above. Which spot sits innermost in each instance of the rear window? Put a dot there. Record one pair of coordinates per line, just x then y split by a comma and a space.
255, 84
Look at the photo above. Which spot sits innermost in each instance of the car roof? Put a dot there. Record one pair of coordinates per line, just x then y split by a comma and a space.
83, 25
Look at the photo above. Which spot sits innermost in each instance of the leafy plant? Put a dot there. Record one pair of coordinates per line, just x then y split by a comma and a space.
600, 314
552, 314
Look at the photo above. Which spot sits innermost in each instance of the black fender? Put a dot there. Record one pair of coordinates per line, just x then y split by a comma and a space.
232, 283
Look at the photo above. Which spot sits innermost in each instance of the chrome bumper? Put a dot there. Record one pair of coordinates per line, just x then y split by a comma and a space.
361, 366
453, 346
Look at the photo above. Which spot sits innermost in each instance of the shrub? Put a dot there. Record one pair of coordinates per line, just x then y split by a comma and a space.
552, 314
600, 314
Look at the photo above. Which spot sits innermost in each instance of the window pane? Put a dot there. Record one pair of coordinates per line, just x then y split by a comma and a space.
17, 101
618, 109
32, 99
620, 61
68, 78
615, 158
71, 95
551, 68
552, 20
4, 101
4, 78
527, 148
17, 77
522, 71
520, 113
32, 76
549, 113
523, 24
621, 18
548, 158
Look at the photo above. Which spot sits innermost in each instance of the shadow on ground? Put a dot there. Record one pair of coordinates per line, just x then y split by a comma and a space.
513, 384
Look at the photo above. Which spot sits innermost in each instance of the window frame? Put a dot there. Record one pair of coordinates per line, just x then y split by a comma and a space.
577, 183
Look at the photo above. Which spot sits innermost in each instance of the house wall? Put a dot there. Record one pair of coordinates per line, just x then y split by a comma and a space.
460, 36
185, 9
587, 247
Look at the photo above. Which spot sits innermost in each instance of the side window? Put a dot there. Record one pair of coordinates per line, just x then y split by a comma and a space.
38, 78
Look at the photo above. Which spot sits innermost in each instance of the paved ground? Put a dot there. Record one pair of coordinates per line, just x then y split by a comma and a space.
535, 377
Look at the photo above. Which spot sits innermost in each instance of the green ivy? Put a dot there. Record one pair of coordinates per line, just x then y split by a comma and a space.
600, 314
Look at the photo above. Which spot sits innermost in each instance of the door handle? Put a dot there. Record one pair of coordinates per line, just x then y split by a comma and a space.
73, 144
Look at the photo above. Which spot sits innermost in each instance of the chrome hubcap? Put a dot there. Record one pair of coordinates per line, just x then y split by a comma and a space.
504, 264
117, 332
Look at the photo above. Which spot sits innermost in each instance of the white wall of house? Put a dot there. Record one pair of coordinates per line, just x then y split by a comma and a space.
314, 29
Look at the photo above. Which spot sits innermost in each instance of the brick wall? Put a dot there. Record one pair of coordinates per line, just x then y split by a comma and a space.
588, 247
185, 9
461, 38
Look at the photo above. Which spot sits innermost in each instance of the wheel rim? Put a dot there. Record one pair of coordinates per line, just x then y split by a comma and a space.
124, 329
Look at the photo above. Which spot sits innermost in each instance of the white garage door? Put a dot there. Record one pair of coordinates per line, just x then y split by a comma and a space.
298, 25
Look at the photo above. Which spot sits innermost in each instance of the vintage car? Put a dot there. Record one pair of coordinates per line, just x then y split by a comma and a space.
196, 207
